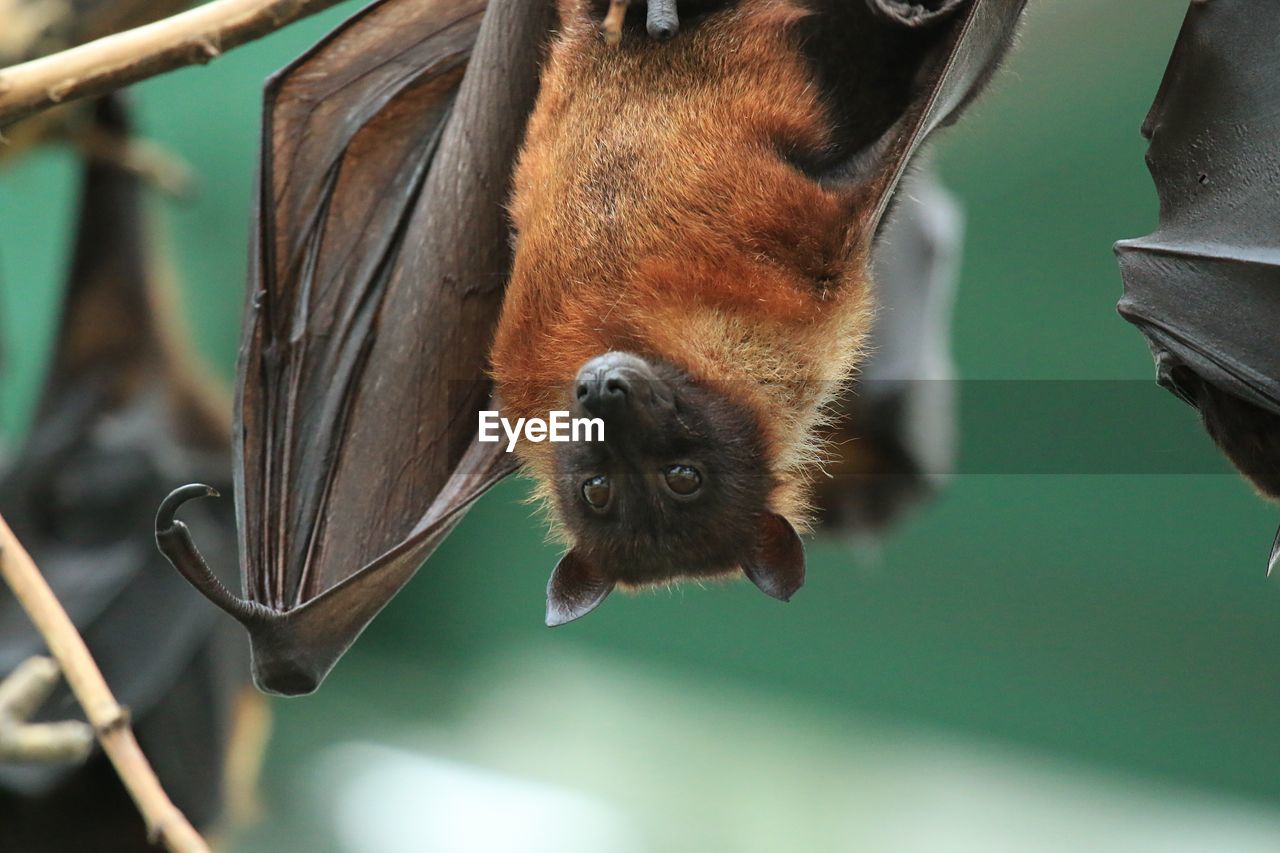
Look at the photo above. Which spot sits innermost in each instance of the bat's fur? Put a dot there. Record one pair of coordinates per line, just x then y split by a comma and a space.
657, 212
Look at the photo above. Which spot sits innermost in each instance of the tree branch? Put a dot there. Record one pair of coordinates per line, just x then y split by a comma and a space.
165, 824
21, 695
193, 37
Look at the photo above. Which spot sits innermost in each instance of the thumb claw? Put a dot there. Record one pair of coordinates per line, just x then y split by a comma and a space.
167, 514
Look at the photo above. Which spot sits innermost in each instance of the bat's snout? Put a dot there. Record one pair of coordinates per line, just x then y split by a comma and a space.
614, 385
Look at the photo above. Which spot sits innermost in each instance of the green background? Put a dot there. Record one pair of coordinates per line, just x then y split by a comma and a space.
1100, 615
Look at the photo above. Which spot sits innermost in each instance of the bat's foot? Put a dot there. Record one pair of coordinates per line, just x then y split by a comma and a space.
662, 20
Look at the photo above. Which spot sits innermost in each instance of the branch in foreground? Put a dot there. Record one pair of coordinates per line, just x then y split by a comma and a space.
193, 37
165, 824
20, 697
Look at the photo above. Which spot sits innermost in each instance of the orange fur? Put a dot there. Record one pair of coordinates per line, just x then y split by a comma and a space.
656, 214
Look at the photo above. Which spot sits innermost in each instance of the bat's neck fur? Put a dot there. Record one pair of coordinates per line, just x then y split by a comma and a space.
657, 211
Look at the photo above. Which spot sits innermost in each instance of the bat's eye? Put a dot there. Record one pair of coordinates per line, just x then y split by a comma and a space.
684, 480
596, 491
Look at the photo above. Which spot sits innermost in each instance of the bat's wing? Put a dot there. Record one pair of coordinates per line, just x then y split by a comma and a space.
1205, 287
377, 272
894, 434
121, 416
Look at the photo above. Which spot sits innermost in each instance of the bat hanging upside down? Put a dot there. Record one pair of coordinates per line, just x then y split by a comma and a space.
694, 219
694, 215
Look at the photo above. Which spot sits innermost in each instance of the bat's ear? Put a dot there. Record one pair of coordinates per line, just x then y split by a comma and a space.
576, 588
777, 566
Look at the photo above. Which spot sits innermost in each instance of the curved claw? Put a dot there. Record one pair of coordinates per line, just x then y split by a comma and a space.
174, 541
167, 515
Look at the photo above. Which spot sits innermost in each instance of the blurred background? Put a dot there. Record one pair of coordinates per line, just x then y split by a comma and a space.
1071, 648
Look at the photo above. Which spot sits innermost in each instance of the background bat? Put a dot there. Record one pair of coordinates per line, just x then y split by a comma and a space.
123, 412
380, 263
1205, 287
894, 432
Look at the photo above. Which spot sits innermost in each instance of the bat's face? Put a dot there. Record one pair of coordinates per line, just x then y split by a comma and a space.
675, 489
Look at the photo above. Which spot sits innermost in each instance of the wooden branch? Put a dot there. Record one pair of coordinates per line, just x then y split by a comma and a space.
165, 824
194, 37
21, 695
150, 163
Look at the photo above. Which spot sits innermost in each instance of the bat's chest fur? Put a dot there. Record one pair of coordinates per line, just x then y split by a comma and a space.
658, 210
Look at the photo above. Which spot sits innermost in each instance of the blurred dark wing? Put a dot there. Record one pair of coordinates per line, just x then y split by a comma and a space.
379, 265
1205, 287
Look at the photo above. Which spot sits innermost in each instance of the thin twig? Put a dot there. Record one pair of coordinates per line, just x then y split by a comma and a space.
21, 695
194, 37
150, 163
165, 824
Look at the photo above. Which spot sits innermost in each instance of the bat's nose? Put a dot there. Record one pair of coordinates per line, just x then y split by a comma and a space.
604, 393
607, 385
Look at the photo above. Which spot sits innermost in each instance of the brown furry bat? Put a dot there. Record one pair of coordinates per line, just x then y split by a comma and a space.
693, 231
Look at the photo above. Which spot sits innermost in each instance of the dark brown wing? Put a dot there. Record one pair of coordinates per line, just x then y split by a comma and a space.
122, 414
380, 258
1205, 287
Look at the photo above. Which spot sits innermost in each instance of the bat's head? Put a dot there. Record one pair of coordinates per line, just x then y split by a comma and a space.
673, 489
